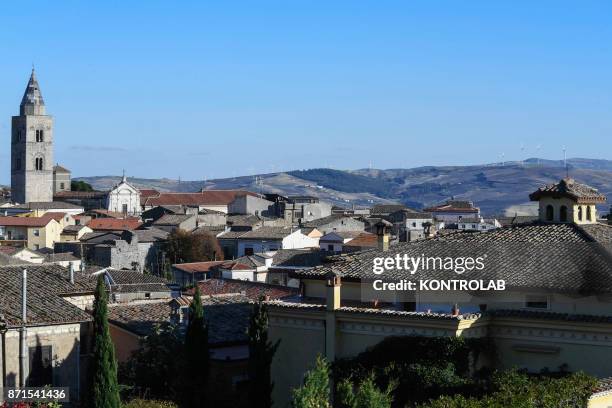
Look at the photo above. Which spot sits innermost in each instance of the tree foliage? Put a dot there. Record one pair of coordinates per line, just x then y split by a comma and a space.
315, 393
366, 395
141, 403
185, 247
261, 352
103, 387
79, 185
517, 389
197, 358
155, 368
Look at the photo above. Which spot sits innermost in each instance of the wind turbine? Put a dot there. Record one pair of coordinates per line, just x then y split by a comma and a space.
538, 147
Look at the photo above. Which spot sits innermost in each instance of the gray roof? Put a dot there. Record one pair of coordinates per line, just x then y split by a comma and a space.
128, 281
387, 208
227, 317
61, 257
151, 235
243, 220
73, 228
298, 258
275, 233
52, 205
174, 219
45, 285
319, 222
569, 187
562, 258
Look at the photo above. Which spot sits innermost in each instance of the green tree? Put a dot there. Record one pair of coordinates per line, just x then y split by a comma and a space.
261, 352
315, 392
155, 368
104, 388
196, 354
368, 395
183, 246
79, 185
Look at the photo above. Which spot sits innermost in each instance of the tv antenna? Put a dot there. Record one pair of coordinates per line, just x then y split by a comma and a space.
565, 162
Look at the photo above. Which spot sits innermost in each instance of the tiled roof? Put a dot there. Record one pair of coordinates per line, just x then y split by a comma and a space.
197, 267
45, 284
28, 221
341, 234
52, 205
207, 197
240, 220
454, 206
113, 224
252, 290
173, 219
569, 187
232, 234
127, 281
147, 192
101, 237
364, 240
73, 228
79, 195
151, 235
277, 233
549, 257
61, 257
517, 219
298, 257
227, 317
319, 222
107, 213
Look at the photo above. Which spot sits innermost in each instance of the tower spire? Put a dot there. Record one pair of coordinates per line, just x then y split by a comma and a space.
32, 102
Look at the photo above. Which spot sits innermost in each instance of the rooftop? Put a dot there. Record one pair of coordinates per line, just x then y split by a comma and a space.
568, 187
252, 290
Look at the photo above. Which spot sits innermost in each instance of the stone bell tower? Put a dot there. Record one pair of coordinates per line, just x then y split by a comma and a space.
32, 148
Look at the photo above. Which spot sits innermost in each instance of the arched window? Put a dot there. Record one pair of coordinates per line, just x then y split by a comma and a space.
38, 163
550, 213
40, 136
579, 213
589, 214
563, 214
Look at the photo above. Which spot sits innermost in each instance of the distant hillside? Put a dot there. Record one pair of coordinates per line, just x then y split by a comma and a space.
495, 188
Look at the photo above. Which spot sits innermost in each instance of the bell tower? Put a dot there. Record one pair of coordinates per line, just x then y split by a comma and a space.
32, 148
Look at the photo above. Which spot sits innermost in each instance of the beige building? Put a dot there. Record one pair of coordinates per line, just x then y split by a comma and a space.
53, 330
555, 309
33, 232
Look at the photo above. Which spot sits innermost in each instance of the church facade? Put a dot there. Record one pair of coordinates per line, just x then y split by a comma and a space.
32, 148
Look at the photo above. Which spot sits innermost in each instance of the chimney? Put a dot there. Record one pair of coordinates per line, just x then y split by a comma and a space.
333, 290
71, 270
23, 334
24, 296
382, 231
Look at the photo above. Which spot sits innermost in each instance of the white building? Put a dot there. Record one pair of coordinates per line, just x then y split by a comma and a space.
478, 224
124, 198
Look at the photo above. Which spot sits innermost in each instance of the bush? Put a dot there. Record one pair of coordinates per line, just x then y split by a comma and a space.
517, 389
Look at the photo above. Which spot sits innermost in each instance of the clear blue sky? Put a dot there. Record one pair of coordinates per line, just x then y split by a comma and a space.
213, 89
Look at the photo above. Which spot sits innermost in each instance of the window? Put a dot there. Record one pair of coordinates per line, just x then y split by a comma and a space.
414, 224
536, 302
579, 213
36, 247
563, 214
41, 366
40, 136
38, 163
589, 215
17, 163
36, 233
330, 247
473, 226
550, 213
248, 251
62, 186
124, 208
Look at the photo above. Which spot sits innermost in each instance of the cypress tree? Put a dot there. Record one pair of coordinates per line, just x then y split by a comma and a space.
261, 352
315, 393
104, 387
196, 354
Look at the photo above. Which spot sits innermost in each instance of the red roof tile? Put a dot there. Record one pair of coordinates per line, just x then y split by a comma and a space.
28, 221
196, 267
252, 290
113, 224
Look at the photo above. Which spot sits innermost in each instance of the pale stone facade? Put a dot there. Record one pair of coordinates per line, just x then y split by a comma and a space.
32, 149
124, 198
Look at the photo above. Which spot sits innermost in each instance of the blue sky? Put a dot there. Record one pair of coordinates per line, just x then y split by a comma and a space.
215, 89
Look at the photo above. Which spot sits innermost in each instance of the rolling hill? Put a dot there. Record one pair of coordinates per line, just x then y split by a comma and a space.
495, 188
